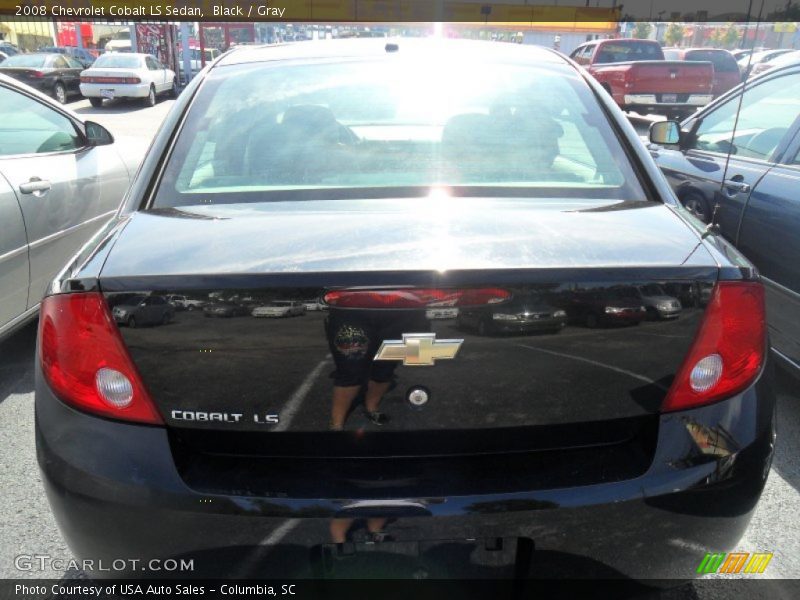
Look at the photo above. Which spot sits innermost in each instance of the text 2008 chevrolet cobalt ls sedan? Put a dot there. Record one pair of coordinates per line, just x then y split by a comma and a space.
369, 437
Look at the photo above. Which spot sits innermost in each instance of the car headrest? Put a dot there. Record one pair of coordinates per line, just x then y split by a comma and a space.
317, 122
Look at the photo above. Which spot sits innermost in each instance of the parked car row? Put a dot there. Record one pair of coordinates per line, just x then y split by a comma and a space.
60, 181
642, 76
109, 77
736, 166
638, 76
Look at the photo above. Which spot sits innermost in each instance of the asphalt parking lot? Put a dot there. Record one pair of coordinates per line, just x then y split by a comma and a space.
27, 526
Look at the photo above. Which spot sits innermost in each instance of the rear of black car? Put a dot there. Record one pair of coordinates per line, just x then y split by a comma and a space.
35, 70
388, 434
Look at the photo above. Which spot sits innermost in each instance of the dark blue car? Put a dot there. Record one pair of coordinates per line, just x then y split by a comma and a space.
757, 201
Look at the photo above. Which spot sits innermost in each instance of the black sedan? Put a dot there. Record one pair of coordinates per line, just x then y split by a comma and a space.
51, 73
140, 310
82, 55
743, 178
525, 313
385, 179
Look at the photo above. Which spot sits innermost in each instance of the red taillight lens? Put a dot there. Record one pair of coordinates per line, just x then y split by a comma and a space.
85, 361
37, 74
414, 297
87, 79
132, 80
728, 353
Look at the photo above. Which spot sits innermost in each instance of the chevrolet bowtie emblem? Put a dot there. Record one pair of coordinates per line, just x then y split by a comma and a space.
418, 349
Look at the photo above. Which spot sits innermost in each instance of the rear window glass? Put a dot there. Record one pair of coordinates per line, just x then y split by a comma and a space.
723, 62
118, 61
26, 60
628, 51
260, 129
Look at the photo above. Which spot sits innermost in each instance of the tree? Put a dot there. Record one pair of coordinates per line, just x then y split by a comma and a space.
731, 36
674, 34
642, 30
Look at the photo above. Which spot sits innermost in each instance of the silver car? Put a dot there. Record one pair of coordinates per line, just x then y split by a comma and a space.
60, 181
658, 303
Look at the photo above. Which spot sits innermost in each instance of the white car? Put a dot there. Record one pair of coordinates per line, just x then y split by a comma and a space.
119, 75
279, 309
184, 303
441, 312
314, 305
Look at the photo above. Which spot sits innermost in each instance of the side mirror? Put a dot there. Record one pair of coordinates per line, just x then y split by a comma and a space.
97, 135
665, 133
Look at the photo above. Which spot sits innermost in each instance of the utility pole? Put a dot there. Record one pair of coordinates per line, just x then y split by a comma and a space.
186, 52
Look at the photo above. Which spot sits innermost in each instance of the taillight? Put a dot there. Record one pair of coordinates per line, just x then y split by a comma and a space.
132, 80
37, 74
87, 79
85, 362
728, 353
414, 297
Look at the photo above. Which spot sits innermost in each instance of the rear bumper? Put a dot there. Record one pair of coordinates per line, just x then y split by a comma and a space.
121, 90
693, 100
116, 494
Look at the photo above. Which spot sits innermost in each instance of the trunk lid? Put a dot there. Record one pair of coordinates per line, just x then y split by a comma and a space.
526, 313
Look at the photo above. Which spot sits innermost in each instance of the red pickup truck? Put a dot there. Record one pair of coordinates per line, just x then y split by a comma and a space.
639, 79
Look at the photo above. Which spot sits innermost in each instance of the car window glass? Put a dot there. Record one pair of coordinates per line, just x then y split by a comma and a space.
59, 62
32, 61
628, 51
768, 111
30, 127
118, 61
74, 64
723, 62
354, 125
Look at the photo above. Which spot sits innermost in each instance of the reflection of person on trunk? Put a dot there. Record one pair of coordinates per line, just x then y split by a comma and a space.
354, 336
341, 527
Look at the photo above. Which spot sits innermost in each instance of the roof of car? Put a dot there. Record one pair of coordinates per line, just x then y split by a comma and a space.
368, 47
41, 54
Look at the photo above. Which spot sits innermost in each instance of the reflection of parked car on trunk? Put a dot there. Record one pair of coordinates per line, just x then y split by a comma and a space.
612, 306
441, 312
183, 303
280, 309
657, 302
143, 310
224, 309
314, 305
524, 313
